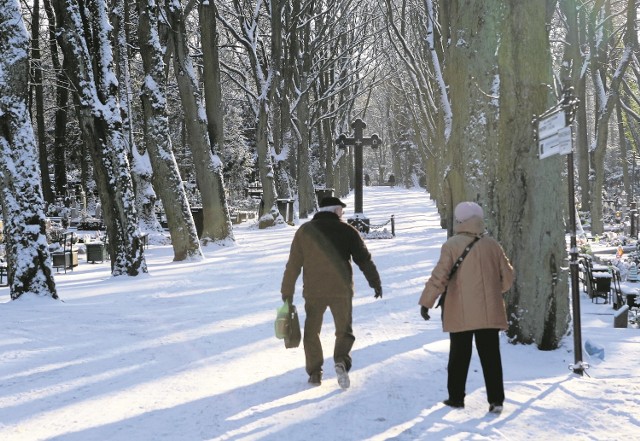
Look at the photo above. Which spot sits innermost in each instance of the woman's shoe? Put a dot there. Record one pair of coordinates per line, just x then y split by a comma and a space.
454, 403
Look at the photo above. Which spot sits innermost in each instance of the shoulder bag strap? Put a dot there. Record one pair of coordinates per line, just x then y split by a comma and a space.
462, 256
455, 267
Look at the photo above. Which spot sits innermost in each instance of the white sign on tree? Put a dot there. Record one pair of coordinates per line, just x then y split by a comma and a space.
554, 136
557, 144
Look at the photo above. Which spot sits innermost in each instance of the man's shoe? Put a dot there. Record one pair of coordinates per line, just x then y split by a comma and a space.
454, 403
315, 379
343, 376
495, 408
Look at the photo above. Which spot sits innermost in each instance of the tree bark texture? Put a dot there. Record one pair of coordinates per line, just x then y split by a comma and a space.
184, 237
529, 224
471, 71
216, 221
28, 257
62, 97
38, 86
101, 125
141, 174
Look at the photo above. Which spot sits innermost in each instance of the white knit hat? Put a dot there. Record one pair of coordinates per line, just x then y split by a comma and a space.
466, 210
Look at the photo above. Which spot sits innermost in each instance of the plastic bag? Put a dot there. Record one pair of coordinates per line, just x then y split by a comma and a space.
282, 321
287, 325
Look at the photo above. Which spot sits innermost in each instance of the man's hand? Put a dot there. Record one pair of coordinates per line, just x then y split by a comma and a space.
286, 298
424, 312
378, 292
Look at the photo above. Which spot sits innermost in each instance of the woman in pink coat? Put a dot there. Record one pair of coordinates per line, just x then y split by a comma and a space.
474, 305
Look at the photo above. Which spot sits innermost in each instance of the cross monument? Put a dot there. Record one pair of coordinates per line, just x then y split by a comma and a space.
358, 141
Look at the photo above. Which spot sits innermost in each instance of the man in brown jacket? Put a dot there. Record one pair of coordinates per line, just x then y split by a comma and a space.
323, 248
474, 306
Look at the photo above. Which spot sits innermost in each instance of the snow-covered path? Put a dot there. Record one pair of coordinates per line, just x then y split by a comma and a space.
188, 352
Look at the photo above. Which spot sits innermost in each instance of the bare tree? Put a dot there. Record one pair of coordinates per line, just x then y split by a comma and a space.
245, 22
606, 97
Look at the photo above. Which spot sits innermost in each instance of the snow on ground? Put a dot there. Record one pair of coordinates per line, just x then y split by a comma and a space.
188, 352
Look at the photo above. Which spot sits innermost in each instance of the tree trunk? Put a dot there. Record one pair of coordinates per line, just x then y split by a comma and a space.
184, 237
60, 119
306, 192
606, 99
39, 103
268, 209
470, 71
573, 75
101, 125
301, 56
216, 223
29, 264
212, 78
624, 155
141, 173
530, 225
281, 128
249, 34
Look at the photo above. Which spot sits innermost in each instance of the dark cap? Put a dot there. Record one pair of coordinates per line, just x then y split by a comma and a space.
331, 201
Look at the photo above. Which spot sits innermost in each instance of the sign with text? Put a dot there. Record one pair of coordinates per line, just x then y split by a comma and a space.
559, 143
550, 125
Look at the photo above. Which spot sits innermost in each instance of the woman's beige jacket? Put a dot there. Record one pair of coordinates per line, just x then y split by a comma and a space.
475, 292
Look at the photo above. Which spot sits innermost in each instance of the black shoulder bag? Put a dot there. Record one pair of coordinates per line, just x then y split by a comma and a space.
455, 268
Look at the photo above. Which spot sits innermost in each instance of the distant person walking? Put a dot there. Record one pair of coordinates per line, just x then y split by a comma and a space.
474, 305
322, 249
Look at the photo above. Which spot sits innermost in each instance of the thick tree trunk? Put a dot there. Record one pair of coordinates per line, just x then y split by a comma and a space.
101, 125
284, 166
184, 237
471, 73
268, 209
529, 223
216, 221
141, 173
306, 192
302, 54
212, 77
29, 264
